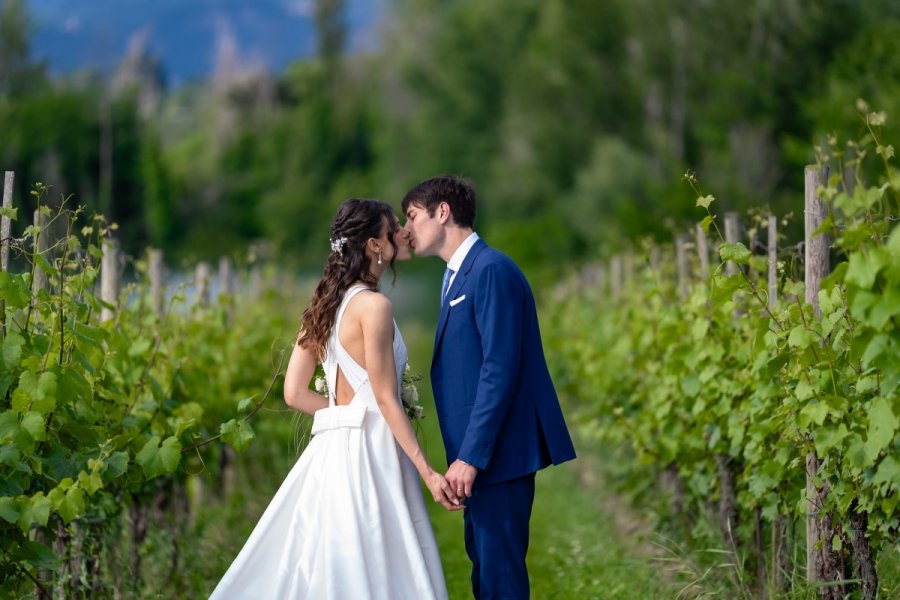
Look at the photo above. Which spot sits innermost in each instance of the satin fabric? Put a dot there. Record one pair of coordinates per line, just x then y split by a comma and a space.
349, 522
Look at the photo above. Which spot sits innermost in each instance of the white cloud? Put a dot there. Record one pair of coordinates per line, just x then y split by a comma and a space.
72, 24
300, 8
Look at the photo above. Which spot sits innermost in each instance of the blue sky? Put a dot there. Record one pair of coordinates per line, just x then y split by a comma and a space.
77, 34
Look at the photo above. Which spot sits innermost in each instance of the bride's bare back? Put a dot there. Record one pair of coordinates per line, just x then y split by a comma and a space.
352, 338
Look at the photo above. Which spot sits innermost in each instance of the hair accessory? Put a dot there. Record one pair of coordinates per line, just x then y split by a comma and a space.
338, 245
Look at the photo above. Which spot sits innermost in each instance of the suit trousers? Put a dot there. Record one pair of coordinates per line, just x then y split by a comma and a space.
496, 531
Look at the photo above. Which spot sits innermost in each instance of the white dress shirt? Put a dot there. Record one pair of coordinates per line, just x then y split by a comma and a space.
459, 256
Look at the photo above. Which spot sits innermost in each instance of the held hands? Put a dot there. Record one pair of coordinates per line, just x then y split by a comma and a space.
442, 492
461, 477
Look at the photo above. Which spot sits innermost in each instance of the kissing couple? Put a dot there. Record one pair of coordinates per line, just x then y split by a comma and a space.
349, 521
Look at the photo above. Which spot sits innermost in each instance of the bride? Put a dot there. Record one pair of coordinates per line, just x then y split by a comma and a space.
349, 521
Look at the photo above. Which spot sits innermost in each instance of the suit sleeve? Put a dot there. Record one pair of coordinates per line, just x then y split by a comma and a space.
499, 307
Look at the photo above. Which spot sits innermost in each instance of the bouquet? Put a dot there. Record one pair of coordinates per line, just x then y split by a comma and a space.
409, 395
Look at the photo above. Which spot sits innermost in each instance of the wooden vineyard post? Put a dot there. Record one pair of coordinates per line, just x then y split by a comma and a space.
601, 279
732, 236
684, 266
655, 259
157, 275
615, 268
772, 261
228, 461
5, 231
201, 281
226, 285
822, 562
628, 268
109, 278
702, 252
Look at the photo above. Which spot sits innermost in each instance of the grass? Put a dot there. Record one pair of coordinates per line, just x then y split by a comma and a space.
577, 549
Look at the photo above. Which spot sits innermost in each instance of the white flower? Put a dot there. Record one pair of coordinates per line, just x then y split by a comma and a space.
337, 245
409, 394
321, 385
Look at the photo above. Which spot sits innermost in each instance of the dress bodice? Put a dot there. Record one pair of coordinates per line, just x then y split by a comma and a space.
337, 356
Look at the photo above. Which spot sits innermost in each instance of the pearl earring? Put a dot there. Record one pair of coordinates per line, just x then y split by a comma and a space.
379, 258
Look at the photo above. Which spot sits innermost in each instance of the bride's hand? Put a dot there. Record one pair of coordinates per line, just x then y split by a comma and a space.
442, 492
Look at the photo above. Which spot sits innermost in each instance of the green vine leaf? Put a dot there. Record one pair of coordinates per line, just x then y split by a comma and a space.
705, 201
862, 270
156, 459
801, 337
813, 413
36, 554
37, 391
116, 465
888, 473
9, 509
14, 290
9, 426
67, 500
90, 482
33, 423
735, 252
12, 350
33, 510
238, 433
883, 425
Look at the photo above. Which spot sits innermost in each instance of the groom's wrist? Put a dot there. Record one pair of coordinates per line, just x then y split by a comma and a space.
464, 463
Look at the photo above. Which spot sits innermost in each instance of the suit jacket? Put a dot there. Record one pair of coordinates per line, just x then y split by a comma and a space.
496, 404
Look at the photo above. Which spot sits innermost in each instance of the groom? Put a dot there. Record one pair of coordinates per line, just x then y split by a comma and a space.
499, 414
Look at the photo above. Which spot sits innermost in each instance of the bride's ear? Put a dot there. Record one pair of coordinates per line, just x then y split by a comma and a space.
373, 245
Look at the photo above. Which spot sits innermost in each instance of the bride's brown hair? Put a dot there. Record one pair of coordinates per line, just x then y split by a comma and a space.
356, 221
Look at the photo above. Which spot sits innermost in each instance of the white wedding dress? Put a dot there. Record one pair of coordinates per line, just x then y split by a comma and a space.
349, 522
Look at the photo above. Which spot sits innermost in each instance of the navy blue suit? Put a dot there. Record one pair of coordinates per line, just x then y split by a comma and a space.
498, 411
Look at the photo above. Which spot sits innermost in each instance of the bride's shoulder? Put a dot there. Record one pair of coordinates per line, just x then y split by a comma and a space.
372, 303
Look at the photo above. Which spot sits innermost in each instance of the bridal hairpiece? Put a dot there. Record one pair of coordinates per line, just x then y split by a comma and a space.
337, 245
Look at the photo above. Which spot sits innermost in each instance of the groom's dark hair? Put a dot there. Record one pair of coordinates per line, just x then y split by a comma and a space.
457, 192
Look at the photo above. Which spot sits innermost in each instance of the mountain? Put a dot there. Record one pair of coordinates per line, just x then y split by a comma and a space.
184, 34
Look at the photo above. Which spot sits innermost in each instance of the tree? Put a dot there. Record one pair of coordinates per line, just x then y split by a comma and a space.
17, 73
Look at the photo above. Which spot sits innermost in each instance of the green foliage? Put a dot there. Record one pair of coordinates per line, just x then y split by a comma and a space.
17, 75
719, 373
97, 416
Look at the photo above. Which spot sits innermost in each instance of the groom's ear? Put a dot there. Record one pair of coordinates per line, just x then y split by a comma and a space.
444, 214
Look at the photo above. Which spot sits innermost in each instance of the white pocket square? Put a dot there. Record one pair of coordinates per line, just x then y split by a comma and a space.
456, 301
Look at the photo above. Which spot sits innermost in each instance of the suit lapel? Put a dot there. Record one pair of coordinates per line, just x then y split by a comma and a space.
457, 285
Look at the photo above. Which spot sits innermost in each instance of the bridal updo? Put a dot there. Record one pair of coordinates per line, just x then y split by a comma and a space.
356, 221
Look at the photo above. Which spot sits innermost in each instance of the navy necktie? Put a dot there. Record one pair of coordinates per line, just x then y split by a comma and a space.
448, 273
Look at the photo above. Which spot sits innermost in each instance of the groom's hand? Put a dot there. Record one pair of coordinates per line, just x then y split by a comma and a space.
461, 476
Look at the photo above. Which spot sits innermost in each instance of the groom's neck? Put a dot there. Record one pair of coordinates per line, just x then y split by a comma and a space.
453, 239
